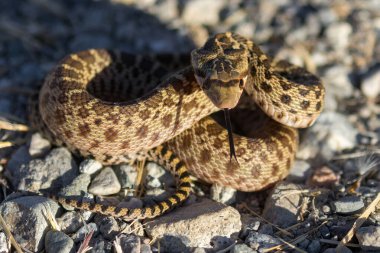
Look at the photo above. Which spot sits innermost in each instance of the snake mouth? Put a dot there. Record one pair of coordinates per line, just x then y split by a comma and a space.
224, 97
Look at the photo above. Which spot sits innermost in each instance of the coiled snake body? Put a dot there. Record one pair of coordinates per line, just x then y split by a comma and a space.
116, 106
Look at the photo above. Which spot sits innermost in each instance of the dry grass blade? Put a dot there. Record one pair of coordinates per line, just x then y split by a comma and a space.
6, 144
9, 235
257, 215
359, 221
294, 241
351, 245
50, 217
84, 247
117, 246
141, 173
13, 127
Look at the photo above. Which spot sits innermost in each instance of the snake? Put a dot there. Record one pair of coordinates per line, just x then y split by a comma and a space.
118, 107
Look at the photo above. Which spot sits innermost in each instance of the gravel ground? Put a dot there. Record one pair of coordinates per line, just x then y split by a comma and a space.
335, 180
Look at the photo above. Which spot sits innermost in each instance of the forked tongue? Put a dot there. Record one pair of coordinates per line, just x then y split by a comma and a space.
230, 137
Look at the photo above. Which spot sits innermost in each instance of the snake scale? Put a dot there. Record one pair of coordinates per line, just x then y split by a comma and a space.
117, 107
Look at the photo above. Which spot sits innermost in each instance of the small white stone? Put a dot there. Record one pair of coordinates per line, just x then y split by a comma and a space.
204, 12
38, 145
89, 166
371, 85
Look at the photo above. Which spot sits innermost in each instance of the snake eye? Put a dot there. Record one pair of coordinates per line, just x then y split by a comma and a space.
241, 83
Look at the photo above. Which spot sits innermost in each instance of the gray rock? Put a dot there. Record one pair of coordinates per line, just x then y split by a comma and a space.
299, 172
77, 188
20, 157
242, 248
348, 205
202, 12
99, 245
3, 243
370, 86
70, 222
157, 176
105, 183
83, 231
181, 228
331, 133
27, 219
225, 195
340, 85
90, 166
108, 226
130, 243
314, 246
221, 243
38, 145
127, 176
260, 242
338, 35
369, 237
58, 167
281, 210
58, 242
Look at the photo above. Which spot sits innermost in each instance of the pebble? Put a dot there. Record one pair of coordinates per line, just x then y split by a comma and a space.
299, 172
202, 12
348, 205
85, 230
70, 222
314, 247
331, 133
3, 243
260, 242
57, 167
323, 177
77, 188
338, 35
283, 211
105, 183
180, 228
127, 176
370, 85
242, 248
225, 195
369, 237
130, 243
158, 177
90, 166
56, 241
108, 226
27, 219
38, 145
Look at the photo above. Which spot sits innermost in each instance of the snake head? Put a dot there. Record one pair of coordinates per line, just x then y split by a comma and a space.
221, 68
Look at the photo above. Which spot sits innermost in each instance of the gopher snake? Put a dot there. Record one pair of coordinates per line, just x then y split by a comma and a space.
107, 105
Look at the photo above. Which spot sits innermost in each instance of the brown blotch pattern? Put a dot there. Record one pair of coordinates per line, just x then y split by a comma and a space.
124, 145
84, 130
205, 155
218, 143
275, 169
111, 134
266, 87
285, 86
142, 131
167, 120
286, 99
144, 115
318, 106
255, 172
97, 122
305, 104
